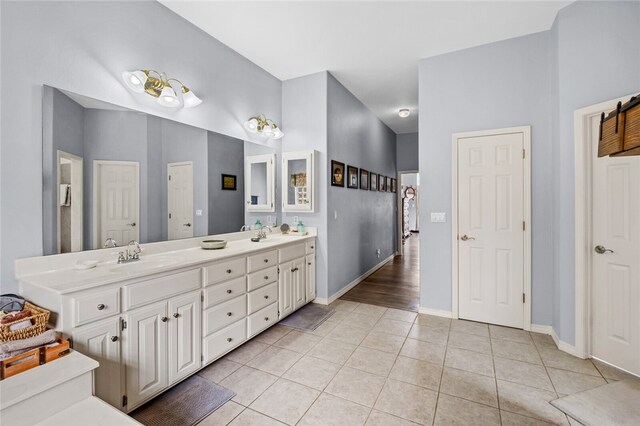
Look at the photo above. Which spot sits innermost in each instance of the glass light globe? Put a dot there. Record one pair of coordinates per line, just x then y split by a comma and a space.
168, 97
190, 99
134, 80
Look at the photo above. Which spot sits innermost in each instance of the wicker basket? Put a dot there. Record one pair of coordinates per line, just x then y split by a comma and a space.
38, 319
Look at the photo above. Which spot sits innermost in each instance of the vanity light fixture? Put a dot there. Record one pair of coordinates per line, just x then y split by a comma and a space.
404, 112
157, 84
263, 126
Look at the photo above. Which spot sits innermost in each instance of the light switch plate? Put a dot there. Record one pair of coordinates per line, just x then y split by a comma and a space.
438, 217
199, 212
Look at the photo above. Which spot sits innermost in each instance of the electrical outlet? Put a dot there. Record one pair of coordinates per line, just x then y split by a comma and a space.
378, 253
269, 220
438, 217
335, 215
295, 220
199, 212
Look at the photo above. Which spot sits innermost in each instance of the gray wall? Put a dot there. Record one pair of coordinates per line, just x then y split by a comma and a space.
84, 47
156, 210
366, 220
597, 58
503, 84
226, 207
407, 151
304, 98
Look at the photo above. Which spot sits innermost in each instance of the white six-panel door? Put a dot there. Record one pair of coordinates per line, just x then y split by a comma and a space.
616, 261
180, 200
490, 217
116, 201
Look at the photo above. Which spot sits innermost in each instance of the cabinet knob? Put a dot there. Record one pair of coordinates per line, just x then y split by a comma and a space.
266, 277
229, 314
164, 319
229, 339
228, 271
266, 261
293, 269
101, 307
266, 296
229, 291
176, 315
312, 247
309, 263
114, 338
266, 318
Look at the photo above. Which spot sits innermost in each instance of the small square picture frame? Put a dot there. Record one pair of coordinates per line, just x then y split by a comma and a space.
373, 181
388, 184
364, 179
382, 183
229, 182
394, 185
352, 177
337, 173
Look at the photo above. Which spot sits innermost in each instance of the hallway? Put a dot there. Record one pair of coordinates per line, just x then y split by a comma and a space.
396, 284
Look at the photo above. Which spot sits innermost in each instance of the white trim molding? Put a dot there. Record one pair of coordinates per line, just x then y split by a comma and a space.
583, 222
435, 312
352, 284
526, 133
563, 346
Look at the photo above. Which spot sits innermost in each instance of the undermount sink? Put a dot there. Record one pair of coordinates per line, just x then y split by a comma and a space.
145, 263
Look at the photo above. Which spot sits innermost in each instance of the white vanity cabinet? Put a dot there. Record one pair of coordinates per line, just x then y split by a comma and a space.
293, 280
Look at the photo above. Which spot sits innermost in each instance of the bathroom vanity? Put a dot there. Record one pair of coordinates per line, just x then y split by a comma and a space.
152, 323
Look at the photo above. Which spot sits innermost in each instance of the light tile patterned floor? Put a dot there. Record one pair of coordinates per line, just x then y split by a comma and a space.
377, 366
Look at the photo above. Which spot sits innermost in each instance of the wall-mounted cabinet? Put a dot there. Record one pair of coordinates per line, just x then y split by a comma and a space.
298, 181
260, 183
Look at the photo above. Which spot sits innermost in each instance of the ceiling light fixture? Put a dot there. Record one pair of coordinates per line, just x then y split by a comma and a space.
157, 84
404, 112
263, 126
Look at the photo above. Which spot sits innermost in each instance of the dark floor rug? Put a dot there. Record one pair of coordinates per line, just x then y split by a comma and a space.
308, 317
185, 404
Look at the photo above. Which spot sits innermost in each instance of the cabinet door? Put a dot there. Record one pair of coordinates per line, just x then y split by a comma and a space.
146, 352
299, 283
184, 335
285, 289
310, 269
101, 341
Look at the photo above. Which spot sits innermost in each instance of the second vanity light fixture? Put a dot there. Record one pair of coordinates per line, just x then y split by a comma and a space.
263, 126
157, 84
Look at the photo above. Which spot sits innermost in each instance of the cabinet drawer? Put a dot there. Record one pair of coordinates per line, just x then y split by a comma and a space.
263, 319
161, 288
262, 278
310, 247
224, 291
224, 314
224, 340
226, 270
262, 297
262, 260
291, 252
96, 306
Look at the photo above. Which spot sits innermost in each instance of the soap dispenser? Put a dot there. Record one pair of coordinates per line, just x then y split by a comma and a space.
258, 225
301, 229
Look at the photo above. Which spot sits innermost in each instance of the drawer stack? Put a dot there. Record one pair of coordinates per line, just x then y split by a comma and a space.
262, 301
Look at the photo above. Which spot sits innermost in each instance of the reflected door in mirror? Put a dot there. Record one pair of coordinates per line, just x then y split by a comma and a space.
180, 200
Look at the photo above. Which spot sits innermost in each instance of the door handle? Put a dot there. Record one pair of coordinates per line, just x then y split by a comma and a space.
131, 224
186, 224
602, 249
466, 238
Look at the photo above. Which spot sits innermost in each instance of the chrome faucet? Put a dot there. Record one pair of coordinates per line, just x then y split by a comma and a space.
262, 232
244, 228
110, 242
131, 254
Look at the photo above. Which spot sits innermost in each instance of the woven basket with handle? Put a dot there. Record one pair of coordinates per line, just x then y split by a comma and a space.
39, 318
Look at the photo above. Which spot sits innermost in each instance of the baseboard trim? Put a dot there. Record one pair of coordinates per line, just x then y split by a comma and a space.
352, 284
563, 346
435, 312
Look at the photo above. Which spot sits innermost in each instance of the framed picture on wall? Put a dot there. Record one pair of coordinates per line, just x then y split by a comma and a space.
394, 185
382, 183
364, 179
374, 181
388, 188
352, 177
337, 173
229, 182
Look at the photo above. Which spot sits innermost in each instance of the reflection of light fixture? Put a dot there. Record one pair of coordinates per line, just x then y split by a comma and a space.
263, 126
141, 81
404, 112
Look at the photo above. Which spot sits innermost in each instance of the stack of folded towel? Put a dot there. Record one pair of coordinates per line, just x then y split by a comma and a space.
12, 309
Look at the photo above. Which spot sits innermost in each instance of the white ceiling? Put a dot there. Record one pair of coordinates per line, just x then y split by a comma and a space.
371, 47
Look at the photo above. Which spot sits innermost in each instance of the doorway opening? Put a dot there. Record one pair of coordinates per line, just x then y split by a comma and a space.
70, 234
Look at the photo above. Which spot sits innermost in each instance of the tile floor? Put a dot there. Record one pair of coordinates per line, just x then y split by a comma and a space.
378, 366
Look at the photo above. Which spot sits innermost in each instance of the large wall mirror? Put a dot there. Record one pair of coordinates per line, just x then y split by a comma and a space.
112, 174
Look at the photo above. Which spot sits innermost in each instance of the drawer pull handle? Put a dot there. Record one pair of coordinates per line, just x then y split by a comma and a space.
312, 247
114, 338
266, 318
266, 296
176, 315
228, 271
229, 291
164, 319
229, 314
266, 277
101, 306
229, 339
266, 261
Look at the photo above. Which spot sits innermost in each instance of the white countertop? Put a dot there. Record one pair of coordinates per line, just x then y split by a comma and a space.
57, 272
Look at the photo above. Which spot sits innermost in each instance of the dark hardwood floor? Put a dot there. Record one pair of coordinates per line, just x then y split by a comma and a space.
396, 284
